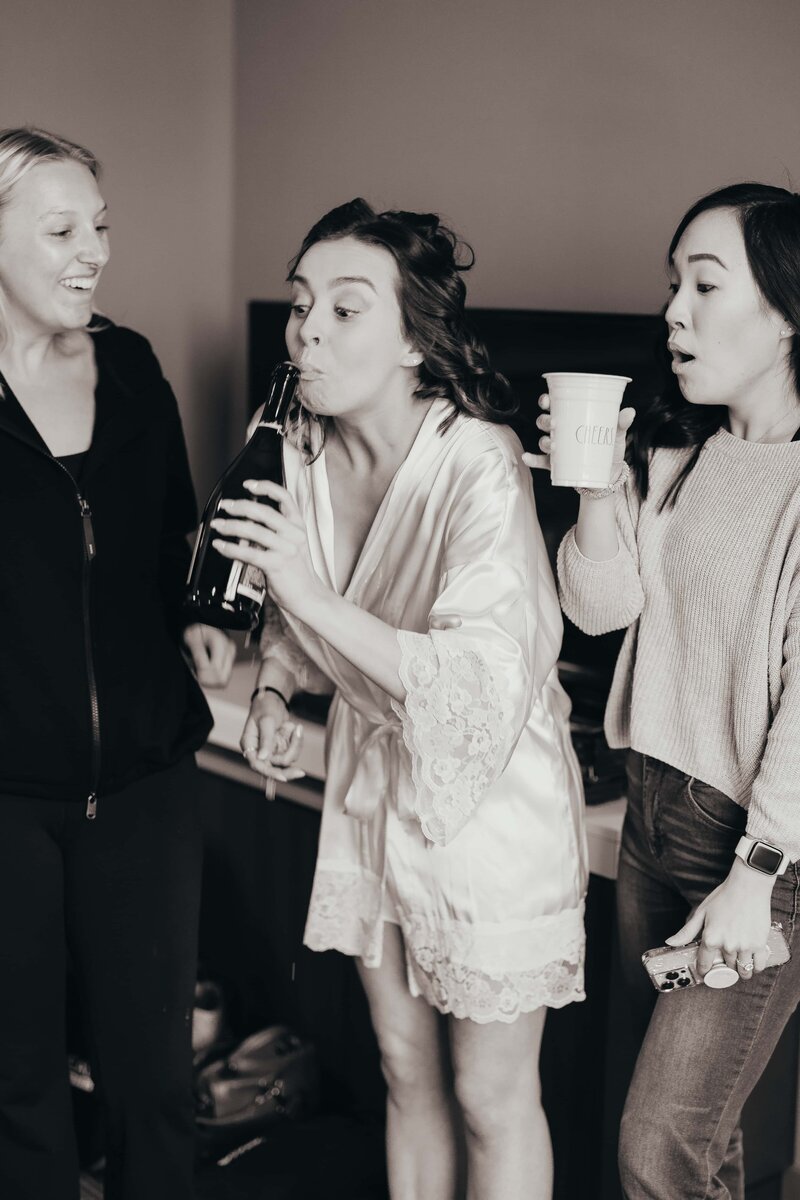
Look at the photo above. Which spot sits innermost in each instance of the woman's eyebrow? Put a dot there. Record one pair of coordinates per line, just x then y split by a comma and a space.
301, 279
707, 257
353, 279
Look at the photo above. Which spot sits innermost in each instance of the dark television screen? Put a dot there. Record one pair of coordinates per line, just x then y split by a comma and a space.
523, 344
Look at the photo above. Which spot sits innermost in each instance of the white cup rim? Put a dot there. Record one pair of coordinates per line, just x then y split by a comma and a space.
585, 375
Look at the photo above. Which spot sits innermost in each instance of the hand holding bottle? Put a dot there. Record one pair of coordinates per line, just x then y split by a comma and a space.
272, 539
218, 591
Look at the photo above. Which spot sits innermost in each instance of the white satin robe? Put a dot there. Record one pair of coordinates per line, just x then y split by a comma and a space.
457, 814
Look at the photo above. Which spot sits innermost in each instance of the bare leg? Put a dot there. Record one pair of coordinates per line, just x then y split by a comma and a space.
509, 1154
421, 1139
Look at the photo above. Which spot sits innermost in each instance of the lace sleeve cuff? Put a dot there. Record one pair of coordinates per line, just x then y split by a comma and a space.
276, 642
456, 726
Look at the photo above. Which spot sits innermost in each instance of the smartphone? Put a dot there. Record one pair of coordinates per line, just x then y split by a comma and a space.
672, 968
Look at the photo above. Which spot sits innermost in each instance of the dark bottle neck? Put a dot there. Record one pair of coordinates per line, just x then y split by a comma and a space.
282, 387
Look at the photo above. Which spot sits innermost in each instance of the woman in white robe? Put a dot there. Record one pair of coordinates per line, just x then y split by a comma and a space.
410, 579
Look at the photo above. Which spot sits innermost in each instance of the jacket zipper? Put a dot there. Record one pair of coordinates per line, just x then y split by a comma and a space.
89, 554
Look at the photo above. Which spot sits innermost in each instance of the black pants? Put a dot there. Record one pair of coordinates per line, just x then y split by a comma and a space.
122, 892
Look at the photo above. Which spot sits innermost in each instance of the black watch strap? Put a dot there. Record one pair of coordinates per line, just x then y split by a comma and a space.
267, 687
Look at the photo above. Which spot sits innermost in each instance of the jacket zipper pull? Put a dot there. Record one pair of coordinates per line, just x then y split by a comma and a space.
88, 529
91, 807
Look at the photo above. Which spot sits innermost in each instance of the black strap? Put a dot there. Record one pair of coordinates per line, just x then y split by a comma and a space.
268, 688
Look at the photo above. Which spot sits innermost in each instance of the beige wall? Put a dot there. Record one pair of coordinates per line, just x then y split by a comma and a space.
148, 86
564, 138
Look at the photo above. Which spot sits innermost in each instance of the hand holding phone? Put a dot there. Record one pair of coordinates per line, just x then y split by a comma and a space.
673, 968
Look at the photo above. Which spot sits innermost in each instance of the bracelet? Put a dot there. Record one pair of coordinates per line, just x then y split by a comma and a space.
612, 489
266, 687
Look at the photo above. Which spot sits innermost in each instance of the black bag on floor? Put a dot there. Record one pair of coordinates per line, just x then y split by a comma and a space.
272, 1074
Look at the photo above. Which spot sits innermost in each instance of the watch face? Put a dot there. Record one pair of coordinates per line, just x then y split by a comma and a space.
764, 858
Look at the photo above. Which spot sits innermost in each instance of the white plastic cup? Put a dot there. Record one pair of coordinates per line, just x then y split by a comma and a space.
585, 410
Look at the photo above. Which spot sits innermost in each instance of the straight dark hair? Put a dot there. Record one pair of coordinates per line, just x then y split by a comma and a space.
430, 259
769, 218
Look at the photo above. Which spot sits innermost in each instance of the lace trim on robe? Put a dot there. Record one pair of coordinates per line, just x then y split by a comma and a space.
344, 913
439, 967
457, 727
521, 969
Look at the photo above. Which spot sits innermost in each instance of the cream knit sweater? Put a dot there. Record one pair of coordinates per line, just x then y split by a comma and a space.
708, 677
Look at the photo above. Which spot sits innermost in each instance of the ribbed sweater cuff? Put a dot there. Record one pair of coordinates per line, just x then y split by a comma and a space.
598, 596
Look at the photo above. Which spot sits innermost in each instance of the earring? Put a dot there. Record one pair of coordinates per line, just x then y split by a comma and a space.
787, 332
415, 360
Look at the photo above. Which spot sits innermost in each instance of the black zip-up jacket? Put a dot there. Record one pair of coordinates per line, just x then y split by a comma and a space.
94, 690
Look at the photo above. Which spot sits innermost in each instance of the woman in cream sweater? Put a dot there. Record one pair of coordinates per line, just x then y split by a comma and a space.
695, 550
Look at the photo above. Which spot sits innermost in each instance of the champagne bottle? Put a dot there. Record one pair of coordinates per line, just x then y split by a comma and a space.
220, 591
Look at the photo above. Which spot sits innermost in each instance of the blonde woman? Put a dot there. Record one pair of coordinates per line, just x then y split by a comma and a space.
99, 716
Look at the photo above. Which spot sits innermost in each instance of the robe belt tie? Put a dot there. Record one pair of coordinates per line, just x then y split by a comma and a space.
377, 776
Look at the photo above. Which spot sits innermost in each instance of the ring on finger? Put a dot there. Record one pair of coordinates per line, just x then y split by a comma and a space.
746, 964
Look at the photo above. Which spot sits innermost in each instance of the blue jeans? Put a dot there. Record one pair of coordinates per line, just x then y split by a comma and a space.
703, 1051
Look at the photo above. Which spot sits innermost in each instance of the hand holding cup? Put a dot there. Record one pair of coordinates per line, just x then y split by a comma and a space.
586, 410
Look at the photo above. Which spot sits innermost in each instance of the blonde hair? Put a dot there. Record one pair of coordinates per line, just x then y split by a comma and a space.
27, 147
24, 148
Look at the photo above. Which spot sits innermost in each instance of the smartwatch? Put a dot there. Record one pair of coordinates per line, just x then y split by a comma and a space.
761, 856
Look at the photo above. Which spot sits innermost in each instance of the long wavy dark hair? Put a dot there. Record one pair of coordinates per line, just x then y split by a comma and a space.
769, 218
431, 260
